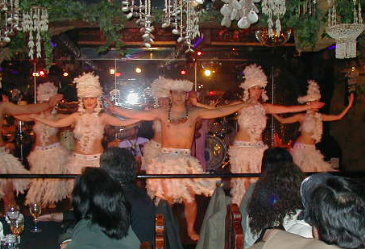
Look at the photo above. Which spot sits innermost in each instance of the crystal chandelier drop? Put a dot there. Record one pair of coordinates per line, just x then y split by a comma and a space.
273, 9
345, 34
35, 21
307, 8
9, 20
142, 11
183, 17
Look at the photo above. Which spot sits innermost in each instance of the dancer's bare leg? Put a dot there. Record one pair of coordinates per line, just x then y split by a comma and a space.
191, 210
9, 197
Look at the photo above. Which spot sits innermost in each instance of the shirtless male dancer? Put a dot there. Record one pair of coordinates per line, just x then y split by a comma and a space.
178, 127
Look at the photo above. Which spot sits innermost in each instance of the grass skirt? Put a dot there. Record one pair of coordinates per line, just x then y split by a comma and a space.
11, 165
309, 159
245, 157
178, 161
51, 159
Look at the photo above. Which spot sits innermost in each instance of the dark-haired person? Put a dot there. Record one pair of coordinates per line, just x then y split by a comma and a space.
10, 164
121, 165
276, 202
335, 207
104, 220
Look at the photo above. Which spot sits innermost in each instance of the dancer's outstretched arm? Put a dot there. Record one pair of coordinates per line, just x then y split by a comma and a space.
220, 111
63, 122
327, 117
13, 109
113, 121
148, 115
272, 108
289, 120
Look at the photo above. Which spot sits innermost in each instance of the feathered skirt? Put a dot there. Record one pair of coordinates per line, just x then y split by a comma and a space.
50, 159
150, 151
178, 161
244, 157
11, 165
309, 159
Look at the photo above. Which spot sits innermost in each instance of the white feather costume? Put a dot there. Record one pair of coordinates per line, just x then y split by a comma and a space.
11, 165
50, 159
177, 161
306, 156
88, 129
246, 156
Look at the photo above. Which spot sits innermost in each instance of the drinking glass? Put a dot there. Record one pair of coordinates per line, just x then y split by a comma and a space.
35, 210
17, 228
12, 212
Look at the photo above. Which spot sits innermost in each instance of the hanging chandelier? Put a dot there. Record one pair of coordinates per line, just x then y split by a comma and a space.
9, 20
277, 39
35, 22
274, 9
345, 34
141, 10
181, 16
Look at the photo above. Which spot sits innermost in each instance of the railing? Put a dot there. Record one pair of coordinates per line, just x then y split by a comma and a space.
357, 174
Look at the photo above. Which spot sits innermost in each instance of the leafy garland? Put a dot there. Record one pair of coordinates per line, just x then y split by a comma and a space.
110, 18
107, 15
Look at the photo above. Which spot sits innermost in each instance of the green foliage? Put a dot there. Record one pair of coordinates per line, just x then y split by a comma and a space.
109, 17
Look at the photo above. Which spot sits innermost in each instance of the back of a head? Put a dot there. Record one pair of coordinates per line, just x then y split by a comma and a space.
337, 210
275, 196
274, 156
100, 198
120, 164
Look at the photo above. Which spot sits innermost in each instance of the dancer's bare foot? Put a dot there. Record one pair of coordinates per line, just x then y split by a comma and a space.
193, 235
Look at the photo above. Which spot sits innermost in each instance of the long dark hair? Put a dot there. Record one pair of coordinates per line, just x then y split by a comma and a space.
276, 195
99, 198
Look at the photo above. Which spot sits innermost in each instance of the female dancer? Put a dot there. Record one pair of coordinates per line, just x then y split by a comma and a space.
248, 148
304, 151
48, 155
88, 124
10, 164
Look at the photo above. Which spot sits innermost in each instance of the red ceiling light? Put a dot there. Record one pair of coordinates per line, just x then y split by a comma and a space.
183, 72
199, 53
118, 74
42, 73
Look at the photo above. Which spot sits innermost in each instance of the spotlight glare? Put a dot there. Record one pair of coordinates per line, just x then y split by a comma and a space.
138, 70
111, 71
65, 74
207, 72
35, 74
132, 98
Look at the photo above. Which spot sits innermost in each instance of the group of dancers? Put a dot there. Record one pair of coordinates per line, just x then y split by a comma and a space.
169, 151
